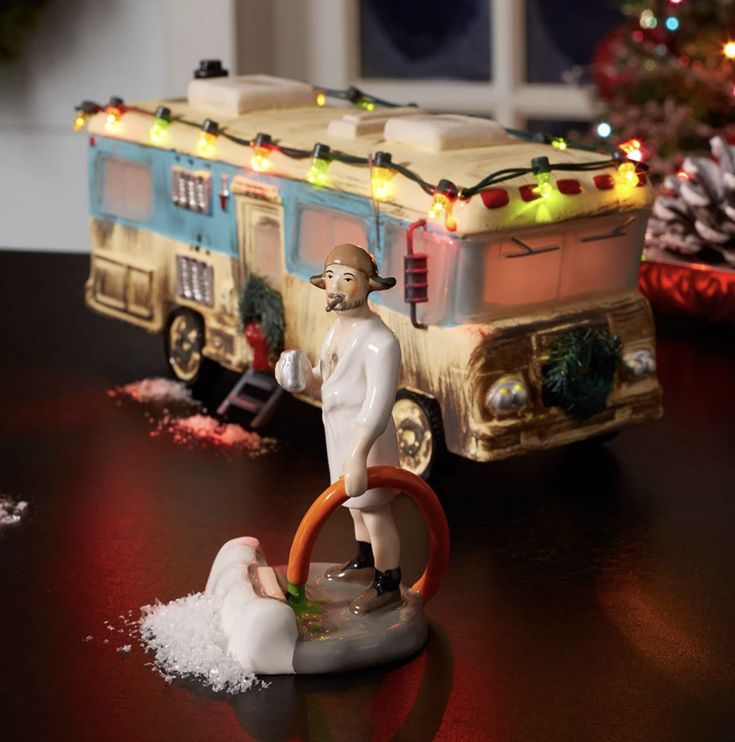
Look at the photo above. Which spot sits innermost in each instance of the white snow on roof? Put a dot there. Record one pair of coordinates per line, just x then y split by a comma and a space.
439, 132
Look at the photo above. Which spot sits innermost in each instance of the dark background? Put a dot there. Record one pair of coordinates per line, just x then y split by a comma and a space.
590, 592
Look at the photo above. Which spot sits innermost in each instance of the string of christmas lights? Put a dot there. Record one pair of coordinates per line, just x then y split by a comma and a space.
445, 193
666, 76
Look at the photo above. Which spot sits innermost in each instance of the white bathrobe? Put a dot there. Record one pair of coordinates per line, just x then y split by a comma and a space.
359, 395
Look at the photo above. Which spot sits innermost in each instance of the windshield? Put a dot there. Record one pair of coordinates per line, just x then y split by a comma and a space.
501, 275
484, 277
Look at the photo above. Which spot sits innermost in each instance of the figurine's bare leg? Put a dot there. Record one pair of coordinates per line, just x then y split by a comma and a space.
361, 531
383, 535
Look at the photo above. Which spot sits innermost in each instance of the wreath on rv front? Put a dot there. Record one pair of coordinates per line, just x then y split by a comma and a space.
262, 304
580, 372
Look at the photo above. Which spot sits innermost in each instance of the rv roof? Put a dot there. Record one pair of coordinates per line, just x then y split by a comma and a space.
304, 126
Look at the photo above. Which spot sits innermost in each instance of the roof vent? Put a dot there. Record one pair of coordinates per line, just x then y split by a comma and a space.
232, 96
361, 123
210, 68
437, 133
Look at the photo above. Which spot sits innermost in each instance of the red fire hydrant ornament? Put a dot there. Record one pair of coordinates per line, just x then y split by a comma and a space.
259, 343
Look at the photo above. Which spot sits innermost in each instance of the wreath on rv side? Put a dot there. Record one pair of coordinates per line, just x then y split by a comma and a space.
580, 372
261, 304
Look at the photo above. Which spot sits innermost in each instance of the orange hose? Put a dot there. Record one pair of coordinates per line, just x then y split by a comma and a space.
378, 476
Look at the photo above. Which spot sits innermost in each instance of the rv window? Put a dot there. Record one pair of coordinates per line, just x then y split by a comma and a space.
126, 188
320, 230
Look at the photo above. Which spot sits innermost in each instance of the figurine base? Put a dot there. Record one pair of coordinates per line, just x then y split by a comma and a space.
317, 635
336, 640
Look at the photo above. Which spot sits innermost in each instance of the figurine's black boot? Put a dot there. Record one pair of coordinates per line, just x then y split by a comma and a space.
360, 569
385, 590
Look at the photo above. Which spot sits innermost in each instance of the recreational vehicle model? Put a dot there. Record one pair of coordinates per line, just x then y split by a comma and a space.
516, 257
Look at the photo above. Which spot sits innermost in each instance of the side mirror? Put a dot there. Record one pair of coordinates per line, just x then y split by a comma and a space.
415, 274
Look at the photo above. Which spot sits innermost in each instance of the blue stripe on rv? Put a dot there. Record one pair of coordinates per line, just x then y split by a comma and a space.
217, 231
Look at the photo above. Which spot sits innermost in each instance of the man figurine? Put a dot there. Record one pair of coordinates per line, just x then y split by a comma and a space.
357, 375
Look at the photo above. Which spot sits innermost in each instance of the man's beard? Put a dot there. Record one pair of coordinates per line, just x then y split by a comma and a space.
339, 303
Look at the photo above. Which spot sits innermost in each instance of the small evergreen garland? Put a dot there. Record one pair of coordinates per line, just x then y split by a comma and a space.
580, 372
262, 304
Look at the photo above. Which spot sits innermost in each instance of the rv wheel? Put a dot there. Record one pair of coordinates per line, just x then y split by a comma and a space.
184, 340
419, 431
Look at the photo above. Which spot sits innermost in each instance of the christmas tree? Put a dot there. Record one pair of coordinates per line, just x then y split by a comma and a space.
667, 78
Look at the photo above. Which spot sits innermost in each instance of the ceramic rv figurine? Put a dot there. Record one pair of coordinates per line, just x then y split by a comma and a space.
356, 378
516, 256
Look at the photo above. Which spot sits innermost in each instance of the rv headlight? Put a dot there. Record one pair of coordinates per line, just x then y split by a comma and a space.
506, 395
639, 363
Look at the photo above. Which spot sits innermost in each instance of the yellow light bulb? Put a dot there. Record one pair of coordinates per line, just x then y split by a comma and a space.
80, 121
321, 99
382, 183
437, 208
559, 143
206, 145
629, 173
443, 205
260, 160
113, 119
729, 49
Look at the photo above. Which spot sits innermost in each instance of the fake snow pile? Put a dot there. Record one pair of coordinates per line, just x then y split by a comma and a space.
187, 639
187, 429
205, 430
156, 390
11, 511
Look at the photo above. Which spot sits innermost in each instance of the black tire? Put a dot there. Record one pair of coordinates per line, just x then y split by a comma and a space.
421, 446
184, 341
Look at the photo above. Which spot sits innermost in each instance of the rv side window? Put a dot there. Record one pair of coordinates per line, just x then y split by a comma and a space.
320, 230
127, 189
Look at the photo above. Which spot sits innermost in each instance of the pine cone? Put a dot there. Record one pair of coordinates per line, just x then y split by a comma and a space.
695, 214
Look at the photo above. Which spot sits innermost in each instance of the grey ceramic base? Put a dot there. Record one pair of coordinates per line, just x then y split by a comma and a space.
341, 641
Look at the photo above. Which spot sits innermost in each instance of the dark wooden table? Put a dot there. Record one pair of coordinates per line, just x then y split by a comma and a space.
590, 594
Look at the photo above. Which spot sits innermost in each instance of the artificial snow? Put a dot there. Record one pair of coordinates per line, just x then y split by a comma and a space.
11, 511
156, 390
205, 430
197, 429
187, 639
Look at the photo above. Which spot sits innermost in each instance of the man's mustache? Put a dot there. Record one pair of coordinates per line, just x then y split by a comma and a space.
334, 300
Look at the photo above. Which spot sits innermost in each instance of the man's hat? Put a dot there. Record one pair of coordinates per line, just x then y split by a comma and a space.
358, 258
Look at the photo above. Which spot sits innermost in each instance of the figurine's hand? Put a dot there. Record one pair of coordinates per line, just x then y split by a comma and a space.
355, 475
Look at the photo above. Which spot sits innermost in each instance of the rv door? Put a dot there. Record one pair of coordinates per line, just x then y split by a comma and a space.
260, 228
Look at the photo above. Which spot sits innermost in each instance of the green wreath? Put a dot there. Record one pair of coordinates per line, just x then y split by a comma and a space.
580, 372
262, 304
